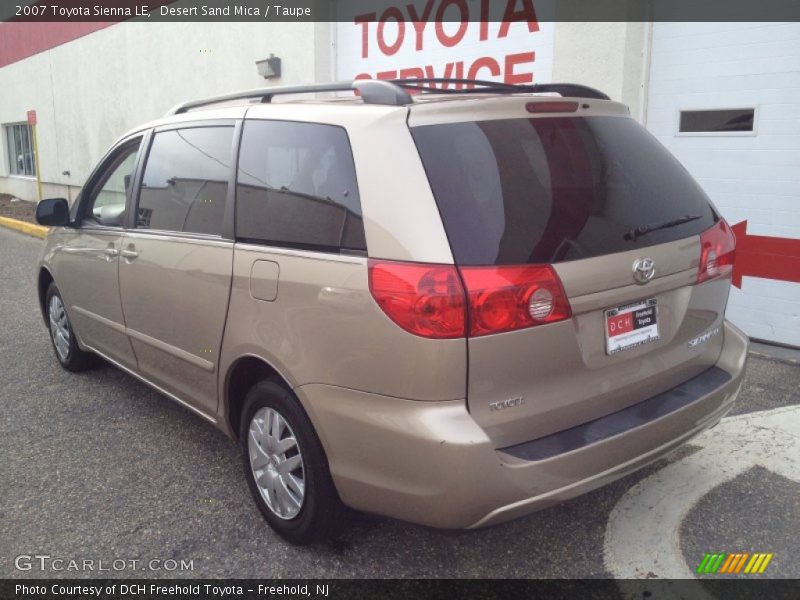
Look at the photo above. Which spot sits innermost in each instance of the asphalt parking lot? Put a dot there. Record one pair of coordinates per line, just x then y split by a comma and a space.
98, 466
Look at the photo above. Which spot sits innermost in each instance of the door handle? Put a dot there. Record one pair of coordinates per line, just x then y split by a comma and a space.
111, 252
129, 254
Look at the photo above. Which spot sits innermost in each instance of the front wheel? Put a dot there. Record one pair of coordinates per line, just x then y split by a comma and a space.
62, 336
286, 467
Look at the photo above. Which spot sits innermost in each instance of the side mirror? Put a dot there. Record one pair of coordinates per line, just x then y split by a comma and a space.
53, 212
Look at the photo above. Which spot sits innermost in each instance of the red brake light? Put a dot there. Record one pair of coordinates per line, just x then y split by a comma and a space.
717, 252
508, 298
427, 300
552, 106
430, 300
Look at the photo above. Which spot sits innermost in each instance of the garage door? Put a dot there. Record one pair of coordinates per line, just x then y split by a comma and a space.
725, 98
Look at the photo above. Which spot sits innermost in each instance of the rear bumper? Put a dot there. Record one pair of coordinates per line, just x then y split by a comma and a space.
430, 463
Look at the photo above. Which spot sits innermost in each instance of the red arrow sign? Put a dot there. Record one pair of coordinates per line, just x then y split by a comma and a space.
765, 257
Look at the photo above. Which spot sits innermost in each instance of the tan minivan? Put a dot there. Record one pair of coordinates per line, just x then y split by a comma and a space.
449, 302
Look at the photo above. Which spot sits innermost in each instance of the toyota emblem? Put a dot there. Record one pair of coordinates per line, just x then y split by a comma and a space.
643, 270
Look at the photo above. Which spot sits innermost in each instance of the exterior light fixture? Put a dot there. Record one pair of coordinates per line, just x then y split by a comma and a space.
269, 68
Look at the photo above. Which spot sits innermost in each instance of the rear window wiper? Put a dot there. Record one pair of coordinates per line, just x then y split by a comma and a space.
635, 234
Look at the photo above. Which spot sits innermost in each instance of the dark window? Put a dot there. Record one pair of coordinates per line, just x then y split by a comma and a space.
20, 150
106, 204
717, 121
544, 190
186, 180
297, 187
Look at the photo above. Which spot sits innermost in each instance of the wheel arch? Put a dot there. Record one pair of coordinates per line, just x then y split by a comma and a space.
43, 282
243, 374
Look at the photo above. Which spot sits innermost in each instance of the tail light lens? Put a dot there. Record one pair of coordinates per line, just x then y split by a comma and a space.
430, 300
717, 252
427, 300
509, 298
550, 107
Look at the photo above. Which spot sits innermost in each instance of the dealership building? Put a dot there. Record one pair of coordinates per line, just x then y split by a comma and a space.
723, 97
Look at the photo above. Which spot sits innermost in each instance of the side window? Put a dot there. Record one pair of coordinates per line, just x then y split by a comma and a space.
106, 205
186, 180
296, 187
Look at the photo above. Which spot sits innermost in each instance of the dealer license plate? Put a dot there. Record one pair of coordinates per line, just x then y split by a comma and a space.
631, 325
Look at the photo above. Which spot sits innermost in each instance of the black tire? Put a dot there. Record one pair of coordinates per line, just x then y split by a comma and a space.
74, 359
321, 514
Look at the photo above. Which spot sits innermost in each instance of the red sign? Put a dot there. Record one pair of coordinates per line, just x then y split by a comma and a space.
765, 257
620, 324
31, 117
447, 38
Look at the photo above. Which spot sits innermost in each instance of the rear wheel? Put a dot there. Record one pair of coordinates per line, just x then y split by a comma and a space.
65, 345
286, 467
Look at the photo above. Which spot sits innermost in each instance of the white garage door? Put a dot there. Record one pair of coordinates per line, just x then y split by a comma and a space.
725, 99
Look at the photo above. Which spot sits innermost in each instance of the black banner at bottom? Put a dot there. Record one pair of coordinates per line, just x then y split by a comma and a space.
401, 589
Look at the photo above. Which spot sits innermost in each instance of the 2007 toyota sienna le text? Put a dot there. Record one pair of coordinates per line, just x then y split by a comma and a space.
447, 302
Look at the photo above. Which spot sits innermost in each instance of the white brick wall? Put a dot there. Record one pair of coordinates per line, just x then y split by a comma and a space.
753, 177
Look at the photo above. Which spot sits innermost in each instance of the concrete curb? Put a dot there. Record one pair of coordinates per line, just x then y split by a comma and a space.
24, 227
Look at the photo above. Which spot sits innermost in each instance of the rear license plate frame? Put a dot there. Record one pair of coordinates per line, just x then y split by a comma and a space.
631, 325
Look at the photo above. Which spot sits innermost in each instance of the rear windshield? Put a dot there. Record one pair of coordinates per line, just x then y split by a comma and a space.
545, 190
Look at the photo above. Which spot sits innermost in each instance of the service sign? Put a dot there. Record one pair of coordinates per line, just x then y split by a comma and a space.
31, 117
444, 38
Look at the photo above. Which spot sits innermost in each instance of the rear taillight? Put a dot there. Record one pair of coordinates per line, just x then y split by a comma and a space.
430, 300
509, 298
717, 252
427, 300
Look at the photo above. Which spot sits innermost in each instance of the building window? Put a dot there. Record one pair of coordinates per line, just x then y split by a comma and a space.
20, 150
729, 120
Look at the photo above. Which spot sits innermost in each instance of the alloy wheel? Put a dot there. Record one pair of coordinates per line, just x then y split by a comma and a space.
276, 463
59, 327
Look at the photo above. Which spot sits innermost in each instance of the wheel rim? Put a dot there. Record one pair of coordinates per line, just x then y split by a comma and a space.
276, 463
59, 327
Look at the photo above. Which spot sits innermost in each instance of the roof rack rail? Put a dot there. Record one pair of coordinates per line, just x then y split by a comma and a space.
395, 92
373, 91
425, 85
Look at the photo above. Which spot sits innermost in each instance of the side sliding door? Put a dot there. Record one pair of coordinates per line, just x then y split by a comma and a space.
176, 264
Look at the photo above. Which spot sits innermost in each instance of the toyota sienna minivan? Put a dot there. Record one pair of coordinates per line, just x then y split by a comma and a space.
449, 302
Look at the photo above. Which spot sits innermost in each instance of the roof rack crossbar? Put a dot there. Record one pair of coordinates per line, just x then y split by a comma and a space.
395, 92
373, 91
478, 86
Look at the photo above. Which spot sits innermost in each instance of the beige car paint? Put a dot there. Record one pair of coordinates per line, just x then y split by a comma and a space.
324, 327
86, 264
532, 363
435, 110
175, 300
431, 463
391, 408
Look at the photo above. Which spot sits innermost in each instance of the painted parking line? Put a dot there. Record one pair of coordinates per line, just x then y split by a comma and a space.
643, 532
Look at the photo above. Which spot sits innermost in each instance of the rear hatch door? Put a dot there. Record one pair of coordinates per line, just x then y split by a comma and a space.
593, 194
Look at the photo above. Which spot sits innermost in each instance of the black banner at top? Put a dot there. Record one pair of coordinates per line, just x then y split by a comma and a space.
393, 11
391, 589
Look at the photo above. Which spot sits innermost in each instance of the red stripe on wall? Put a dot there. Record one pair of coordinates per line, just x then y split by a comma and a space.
21, 40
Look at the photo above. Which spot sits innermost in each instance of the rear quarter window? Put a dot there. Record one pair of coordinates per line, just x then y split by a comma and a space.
296, 187
545, 190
